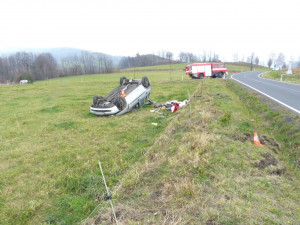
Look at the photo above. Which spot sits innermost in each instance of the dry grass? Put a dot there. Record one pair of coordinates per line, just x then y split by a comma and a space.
203, 169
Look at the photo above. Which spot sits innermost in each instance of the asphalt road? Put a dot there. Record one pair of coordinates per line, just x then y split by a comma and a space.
286, 94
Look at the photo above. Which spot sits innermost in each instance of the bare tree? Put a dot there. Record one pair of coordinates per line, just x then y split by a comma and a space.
280, 60
45, 67
108, 64
169, 56
256, 60
182, 57
4, 70
88, 62
235, 57
250, 60
204, 56
270, 62
215, 58
273, 57
71, 66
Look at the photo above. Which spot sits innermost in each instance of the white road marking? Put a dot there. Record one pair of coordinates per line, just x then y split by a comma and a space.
274, 99
272, 84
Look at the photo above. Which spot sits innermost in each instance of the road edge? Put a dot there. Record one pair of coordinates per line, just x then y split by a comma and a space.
274, 99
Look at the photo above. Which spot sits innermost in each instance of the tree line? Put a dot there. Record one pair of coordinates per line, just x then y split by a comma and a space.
32, 66
166, 57
23, 65
146, 60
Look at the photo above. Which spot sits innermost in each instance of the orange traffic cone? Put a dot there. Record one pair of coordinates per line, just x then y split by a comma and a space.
123, 94
256, 140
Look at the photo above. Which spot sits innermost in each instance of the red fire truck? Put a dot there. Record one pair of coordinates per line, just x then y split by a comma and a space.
200, 70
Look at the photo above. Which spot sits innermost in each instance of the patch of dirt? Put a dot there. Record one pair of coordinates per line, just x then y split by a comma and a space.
227, 197
155, 195
212, 221
289, 119
278, 171
245, 137
298, 162
222, 95
272, 144
268, 160
197, 96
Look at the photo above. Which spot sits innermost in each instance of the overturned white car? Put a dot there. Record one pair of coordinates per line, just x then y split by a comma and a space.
130, 94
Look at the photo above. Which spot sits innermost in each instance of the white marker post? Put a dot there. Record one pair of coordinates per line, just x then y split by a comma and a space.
108, 194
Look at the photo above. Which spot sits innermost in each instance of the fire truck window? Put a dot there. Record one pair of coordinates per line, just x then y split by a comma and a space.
216, 65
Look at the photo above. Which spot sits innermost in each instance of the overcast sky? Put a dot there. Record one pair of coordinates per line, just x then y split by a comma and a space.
123, 27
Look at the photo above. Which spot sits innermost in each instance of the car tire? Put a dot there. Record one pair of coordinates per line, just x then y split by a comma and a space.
120, 102
95, 99
122, 80
145, 82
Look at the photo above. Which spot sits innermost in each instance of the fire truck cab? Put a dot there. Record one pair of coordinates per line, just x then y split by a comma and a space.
201, 70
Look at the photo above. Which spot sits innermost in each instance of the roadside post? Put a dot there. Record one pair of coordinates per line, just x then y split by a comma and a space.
108, 197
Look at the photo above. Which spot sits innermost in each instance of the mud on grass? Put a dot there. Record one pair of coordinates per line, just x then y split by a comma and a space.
206, 171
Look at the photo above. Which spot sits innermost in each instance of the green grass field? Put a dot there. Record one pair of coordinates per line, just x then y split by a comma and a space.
50, 145
276, 75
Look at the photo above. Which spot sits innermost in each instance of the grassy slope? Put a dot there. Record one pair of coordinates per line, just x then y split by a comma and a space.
275, 75
50, 144
205, 169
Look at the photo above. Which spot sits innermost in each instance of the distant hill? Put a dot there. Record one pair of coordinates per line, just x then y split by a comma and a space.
144, 61
57, 53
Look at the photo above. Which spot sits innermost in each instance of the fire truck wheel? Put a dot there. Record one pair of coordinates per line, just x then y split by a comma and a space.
201, 76
220, 75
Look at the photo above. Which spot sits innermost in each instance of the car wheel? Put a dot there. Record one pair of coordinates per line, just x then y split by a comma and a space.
145, 82
120, 103
95, 99
122, 80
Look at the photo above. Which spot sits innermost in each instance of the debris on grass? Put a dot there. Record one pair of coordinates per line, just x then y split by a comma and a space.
266, 161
